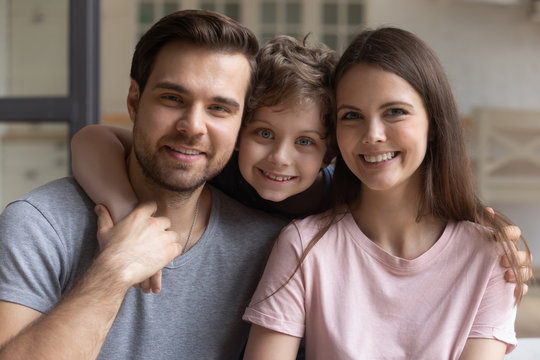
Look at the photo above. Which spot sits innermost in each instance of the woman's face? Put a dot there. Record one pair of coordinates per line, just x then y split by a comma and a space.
382, 128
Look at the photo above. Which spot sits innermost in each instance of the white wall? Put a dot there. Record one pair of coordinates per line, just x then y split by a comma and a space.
492, 57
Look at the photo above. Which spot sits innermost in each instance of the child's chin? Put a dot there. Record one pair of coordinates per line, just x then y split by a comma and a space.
272, 196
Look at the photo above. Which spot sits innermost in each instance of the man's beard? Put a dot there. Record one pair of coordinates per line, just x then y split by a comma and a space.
179, 178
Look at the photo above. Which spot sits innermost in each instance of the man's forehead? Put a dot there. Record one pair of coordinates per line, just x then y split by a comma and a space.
187, 68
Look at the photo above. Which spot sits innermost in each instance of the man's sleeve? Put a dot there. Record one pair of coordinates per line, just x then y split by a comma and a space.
31, 258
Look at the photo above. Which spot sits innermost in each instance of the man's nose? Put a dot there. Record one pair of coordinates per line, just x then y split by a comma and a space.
192, 121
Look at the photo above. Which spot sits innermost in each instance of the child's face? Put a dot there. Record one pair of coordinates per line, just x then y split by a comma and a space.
281, 150
382, 128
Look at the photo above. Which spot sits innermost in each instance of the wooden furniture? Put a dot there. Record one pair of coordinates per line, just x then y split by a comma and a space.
507, 155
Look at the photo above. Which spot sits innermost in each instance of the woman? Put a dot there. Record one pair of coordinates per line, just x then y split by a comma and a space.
401, 267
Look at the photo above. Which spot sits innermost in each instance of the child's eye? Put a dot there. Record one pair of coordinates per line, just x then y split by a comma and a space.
304, 141
265, 134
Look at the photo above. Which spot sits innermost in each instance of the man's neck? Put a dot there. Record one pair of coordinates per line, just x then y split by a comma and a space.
179, 207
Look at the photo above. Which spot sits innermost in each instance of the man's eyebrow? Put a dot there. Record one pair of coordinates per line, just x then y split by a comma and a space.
183, 90
227, 101
171, 86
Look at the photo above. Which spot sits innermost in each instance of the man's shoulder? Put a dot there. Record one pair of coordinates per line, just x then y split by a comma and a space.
58, 196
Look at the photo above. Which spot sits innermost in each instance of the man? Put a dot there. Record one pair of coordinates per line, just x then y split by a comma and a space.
61, 297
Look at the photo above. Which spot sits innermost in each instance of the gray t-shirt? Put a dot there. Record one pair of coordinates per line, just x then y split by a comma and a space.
48, 239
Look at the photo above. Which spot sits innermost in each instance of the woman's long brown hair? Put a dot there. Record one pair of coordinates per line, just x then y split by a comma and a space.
448, 190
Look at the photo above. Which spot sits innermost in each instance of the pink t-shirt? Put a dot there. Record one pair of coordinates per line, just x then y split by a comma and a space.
354, 300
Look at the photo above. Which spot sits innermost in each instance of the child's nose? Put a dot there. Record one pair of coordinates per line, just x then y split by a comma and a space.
280, 155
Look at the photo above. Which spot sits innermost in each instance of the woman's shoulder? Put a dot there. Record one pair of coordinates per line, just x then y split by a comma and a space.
332, 216
477, 237
309, 227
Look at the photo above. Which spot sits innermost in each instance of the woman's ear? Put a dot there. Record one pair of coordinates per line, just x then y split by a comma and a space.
133, 98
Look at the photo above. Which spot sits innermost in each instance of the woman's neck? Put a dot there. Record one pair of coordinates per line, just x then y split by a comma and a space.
390, 219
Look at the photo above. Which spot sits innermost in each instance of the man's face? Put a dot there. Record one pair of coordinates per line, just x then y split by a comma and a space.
187, 119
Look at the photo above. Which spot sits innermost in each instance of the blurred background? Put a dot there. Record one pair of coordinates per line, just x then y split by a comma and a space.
65, 63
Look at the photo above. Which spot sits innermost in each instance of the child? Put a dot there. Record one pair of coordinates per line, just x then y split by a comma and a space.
400, 267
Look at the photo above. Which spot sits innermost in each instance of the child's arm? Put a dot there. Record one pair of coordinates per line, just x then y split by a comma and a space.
269, 344
99, 165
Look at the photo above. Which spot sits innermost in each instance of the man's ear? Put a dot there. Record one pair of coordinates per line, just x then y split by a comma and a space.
133, 98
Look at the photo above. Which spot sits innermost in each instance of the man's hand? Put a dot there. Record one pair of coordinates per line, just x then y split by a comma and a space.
524, 259
138, 246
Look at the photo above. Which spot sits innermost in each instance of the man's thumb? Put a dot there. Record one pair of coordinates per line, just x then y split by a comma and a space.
104, 221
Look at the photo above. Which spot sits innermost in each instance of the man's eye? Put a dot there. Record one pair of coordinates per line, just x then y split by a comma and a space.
265, 134
171, 98
305, 141
219, 108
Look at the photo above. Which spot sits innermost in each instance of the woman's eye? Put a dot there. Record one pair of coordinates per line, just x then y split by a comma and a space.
351, 115
396, 112
265, 133
305, 142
